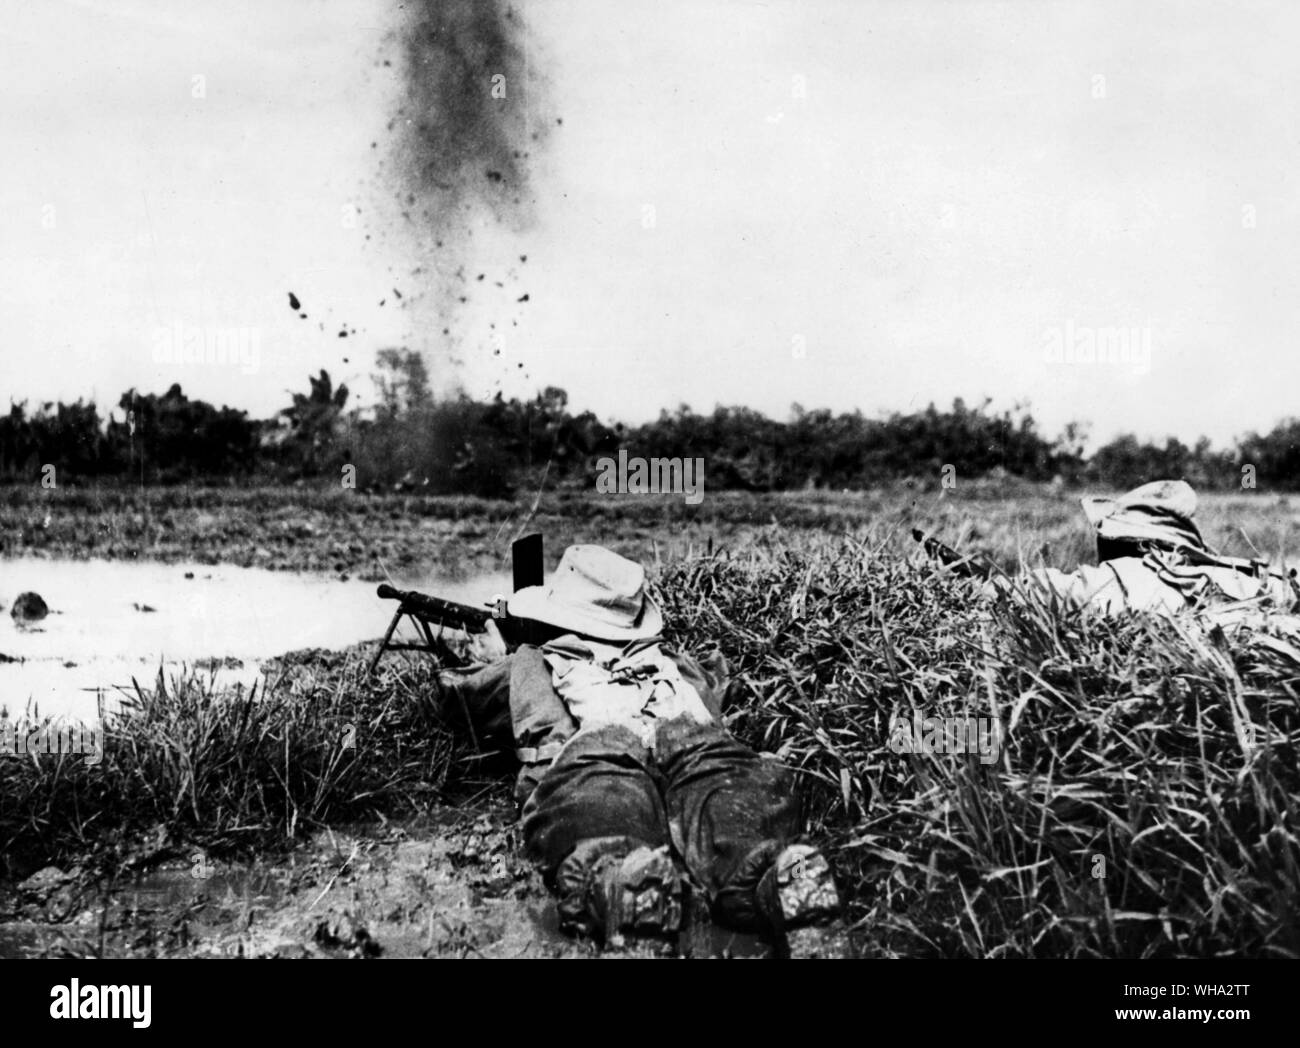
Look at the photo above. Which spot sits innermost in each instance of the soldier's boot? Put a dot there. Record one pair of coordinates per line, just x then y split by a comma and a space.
614, 887
798, 897
640, 894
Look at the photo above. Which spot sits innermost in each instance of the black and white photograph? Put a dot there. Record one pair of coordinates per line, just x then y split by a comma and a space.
667, 479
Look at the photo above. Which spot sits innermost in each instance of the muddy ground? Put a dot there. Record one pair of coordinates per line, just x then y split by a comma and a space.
450, 885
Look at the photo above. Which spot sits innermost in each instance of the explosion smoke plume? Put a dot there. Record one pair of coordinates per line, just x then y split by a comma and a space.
468, 119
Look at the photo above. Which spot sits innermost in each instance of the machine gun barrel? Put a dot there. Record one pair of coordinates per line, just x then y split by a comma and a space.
446, 613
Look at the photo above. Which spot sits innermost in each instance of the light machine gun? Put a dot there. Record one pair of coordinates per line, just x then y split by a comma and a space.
427, 612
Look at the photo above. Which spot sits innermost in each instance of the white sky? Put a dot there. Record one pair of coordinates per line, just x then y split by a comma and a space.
915, 193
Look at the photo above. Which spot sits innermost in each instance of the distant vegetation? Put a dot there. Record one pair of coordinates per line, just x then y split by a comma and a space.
415, 441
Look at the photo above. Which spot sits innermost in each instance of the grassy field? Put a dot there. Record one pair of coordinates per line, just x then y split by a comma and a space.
1143, 801
333, 530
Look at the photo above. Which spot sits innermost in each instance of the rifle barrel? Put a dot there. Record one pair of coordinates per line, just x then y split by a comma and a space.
444, 612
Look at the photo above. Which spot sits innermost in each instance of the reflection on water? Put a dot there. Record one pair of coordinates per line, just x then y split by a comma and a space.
99, 635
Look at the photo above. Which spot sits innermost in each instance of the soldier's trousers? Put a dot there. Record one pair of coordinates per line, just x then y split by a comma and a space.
725, 810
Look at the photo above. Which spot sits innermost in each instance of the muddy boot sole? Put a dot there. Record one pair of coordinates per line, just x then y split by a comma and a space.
798, 892
826, 941
642, 894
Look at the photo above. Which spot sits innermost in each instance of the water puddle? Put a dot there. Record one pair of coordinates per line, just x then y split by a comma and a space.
112, 621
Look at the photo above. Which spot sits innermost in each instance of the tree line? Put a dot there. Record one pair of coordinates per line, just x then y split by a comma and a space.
412, 440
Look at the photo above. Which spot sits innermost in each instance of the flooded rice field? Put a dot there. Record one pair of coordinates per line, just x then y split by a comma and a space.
110, 622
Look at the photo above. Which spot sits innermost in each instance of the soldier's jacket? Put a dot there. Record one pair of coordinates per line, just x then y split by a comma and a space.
1216, 589
514, 704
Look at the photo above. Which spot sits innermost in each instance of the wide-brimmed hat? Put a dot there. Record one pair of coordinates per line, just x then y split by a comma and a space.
1161, 511
594, 592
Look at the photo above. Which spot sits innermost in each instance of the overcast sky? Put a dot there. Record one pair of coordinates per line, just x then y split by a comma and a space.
846, 204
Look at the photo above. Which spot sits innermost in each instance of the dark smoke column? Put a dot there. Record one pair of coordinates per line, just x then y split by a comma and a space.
469, 123
471, 115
